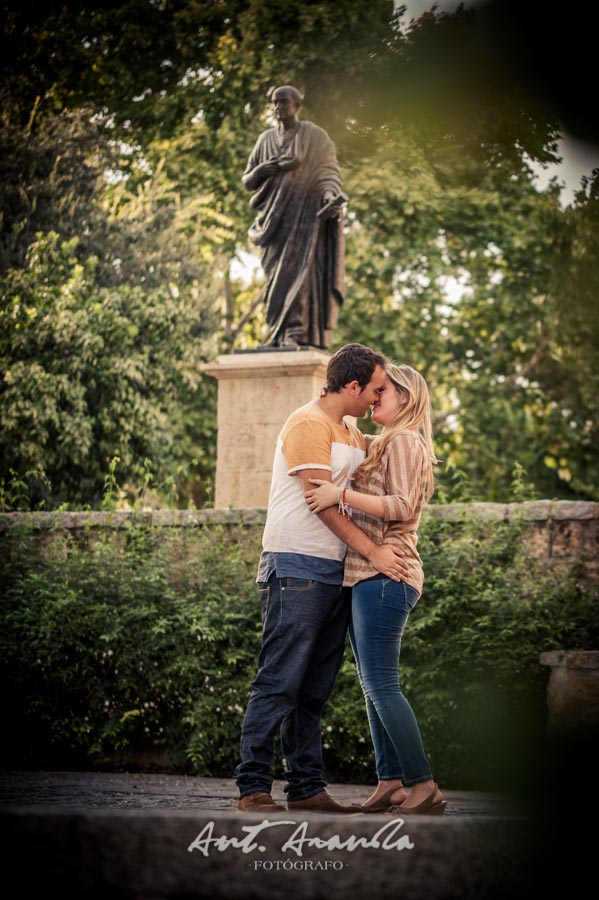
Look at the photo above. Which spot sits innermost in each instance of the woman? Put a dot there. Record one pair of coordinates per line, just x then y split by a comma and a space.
390, 488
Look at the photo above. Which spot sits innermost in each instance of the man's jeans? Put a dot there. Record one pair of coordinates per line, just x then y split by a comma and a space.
380, 610
304, 627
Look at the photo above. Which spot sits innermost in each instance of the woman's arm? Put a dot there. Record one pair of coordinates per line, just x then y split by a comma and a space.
384, 557
403, 481
328, 495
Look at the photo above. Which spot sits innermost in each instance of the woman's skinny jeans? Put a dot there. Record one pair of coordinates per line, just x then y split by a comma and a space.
380, 609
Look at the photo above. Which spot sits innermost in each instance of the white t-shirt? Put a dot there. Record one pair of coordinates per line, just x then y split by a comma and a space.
309, 439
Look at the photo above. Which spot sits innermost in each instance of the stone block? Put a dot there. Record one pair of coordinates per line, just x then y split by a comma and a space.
566, 538
590, 542
537, 540
574, 509
591, 568
54, 547
573, 689
530, 510
458, 512
256, 394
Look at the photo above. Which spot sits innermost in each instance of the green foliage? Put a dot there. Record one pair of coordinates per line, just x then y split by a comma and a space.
128, 129
124, 134
143, 638
24, 491
51, 171
469, 660
470, 656
496, 351
90, 372
126, 641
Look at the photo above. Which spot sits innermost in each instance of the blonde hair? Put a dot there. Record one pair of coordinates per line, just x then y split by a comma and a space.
415, 416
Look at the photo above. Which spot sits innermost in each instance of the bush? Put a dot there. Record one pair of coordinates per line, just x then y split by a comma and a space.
126, 640
470, 655
142, 637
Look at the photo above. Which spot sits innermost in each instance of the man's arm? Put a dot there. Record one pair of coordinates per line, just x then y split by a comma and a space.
385, 558
254, 178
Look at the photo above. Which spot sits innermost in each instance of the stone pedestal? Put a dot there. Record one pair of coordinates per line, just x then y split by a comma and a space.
256, 393
573, 690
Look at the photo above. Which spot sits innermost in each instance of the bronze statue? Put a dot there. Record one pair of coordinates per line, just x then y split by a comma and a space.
296, 180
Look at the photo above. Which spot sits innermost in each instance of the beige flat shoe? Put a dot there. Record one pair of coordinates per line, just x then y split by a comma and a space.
381, 805
427, 808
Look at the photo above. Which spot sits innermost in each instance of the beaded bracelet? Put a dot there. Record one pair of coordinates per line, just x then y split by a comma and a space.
341, 504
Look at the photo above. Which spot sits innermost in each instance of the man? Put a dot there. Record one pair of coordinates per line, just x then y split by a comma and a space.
304, 608
296, 181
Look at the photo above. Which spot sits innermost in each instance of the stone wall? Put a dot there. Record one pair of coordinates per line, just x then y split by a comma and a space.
560, 532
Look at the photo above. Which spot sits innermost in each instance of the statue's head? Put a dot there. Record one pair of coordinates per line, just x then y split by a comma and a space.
286, 100
290, 91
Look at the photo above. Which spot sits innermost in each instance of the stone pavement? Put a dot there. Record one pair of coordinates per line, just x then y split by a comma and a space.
96, 790
153, 837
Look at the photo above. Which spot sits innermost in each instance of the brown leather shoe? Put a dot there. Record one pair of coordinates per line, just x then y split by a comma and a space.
261, 802
322, 802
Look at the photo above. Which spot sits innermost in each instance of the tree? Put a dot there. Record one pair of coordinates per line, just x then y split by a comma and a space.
71, 205
128, 127
494, 350
91, 374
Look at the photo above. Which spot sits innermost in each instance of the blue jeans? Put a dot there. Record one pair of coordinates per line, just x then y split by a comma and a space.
304, 628
380, 609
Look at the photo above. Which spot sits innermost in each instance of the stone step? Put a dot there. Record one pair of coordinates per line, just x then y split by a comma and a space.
175, 854
165, 837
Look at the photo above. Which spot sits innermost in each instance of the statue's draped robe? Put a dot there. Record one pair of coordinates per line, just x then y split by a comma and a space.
302, 256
